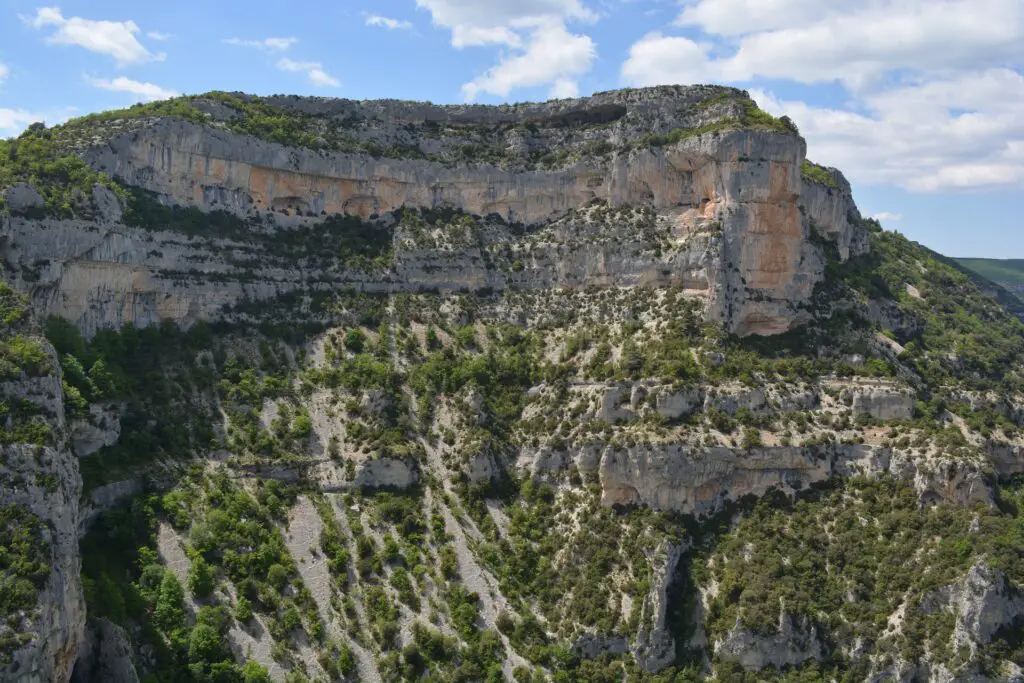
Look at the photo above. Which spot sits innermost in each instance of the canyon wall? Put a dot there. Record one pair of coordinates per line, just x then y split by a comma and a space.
731, 203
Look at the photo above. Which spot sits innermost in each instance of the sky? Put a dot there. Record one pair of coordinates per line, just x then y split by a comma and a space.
919, 102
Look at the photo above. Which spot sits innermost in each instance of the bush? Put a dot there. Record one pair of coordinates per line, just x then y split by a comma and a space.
24, 559
170, 606
355, 340
254, 672
202, 578
277, 576
243, 610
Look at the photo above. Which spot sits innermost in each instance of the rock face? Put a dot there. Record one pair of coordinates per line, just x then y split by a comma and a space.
880, 399
45, 481
648, 190
792, 644
105, 497
387, 473
654, 647
101, 427
983, 602
731, 204
699, 480
106, 656
23, 199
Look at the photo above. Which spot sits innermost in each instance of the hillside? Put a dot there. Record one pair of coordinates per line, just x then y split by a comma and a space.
1009, 273
602, 389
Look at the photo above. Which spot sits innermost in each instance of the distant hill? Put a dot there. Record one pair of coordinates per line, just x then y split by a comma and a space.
1007, 272
1002, 279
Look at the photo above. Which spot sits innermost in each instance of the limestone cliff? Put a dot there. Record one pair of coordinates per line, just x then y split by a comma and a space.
573, 389
728, 198
41, 642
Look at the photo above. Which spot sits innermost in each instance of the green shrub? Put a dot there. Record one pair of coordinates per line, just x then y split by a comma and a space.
24, 559
818, 174
202, 578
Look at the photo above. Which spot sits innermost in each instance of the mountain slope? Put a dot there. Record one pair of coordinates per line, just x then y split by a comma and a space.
1007, 272
606, 388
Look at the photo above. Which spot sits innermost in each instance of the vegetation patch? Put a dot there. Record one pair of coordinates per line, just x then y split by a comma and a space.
847, 557
818, 174
24, 570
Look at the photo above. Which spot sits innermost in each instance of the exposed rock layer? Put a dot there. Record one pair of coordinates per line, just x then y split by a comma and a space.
744, 185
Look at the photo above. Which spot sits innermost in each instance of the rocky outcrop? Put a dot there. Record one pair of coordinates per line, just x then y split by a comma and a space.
880, 399
590, 646
623, 401
654, 647
483, 468
1008, 460
23, 199
795, 642
385, 473
45, 481
106, 655
699, 480
101, 427
731, 206
983, 601
833, 214
105, 497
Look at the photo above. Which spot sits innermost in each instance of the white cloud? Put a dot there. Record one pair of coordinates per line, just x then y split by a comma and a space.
114, 38
932, 103
497, 21
13, 121
552, 54
657, 59
159, 36
819, 42
888, 217
961, 132
387, 22
4, 71
323, 79
144, 91
287, 64
564, 88
16, 120
542, 50
267, 44
737, 17
313, 70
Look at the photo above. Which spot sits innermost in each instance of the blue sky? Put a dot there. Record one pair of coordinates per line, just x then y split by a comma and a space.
919, 102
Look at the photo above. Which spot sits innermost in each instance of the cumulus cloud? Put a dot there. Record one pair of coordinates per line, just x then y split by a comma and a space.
658, 59
960, 132
313, 70
563, 88
266, 44
4, 71
159, 36
387, 22
854, 43
551, 55
13, 121
146, 92
932, 103
541, 50
498, 21
114, 38
737, 17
